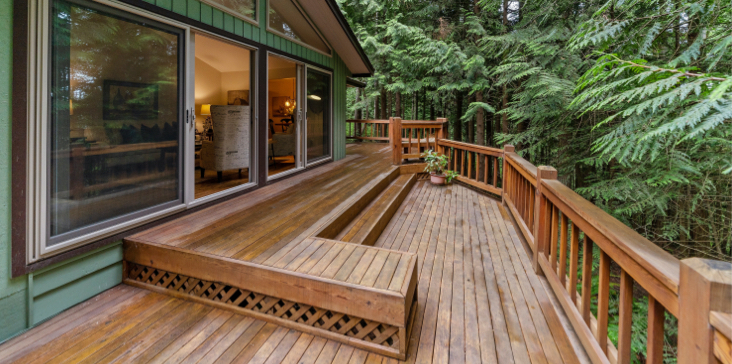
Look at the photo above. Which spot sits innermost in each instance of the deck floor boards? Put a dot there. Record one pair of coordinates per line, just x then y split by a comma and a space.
478, 298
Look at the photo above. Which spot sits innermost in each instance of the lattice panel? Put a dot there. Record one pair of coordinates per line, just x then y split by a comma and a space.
423, 176
358, 328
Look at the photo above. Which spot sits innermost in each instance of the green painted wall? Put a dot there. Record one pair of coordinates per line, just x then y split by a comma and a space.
28, 300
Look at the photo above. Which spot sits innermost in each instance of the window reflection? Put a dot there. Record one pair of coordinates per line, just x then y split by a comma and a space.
115, 111
286, 19
318, 115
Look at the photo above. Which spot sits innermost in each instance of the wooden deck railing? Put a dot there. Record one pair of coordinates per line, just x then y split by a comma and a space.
560, 226
477, 165
368, 130
415, 137
565, 231
722, 323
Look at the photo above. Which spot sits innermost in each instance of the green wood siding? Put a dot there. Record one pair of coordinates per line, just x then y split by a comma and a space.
28, 300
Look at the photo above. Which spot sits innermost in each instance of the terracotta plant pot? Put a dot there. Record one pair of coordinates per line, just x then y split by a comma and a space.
437, 179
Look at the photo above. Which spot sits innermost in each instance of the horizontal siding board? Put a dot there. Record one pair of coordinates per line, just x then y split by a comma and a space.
59, 299
77, 269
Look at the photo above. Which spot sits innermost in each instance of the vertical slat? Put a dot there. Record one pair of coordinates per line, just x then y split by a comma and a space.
553, 234
495, 172
485, 169
626, 317
573, 262
603, 301
462, 163
586, 279
654, 344
419, 140
470, 165
563, 250
531, 205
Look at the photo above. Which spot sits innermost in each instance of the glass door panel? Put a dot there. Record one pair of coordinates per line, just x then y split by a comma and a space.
115, 120
284, 115
224, 136
318, 115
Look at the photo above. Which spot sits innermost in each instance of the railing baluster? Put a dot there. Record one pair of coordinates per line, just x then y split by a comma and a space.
603, 301
626, 317
654, 344
587, 258
495, 171
470, 165
563, 250
553, 246
573, 262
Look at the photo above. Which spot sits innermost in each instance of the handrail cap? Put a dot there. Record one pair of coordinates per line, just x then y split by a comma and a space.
546, 172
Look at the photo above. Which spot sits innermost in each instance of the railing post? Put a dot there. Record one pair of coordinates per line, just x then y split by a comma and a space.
395, 136
540, 214
704, 286
508, 148
441, 135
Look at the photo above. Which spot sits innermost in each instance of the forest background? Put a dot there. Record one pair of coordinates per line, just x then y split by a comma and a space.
630, 100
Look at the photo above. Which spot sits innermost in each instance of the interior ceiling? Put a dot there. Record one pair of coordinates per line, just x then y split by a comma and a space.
224, 57
321, 14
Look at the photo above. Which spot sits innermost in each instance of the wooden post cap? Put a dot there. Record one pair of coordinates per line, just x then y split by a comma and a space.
509, 148
718, 274
546, 172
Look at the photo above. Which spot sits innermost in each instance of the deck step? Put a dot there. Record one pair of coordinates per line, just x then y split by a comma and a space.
358, 295
368, 225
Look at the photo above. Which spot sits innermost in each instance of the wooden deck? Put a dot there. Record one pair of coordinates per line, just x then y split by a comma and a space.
478, 299
255, 226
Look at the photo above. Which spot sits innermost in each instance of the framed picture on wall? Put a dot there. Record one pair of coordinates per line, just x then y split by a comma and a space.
129, 100
238, 97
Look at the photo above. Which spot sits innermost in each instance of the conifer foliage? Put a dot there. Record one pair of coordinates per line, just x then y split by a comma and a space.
631, 100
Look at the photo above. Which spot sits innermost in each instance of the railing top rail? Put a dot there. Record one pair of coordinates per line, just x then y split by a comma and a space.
471, 147
367, 121
422, 124
721, 322
527, 169
659, 263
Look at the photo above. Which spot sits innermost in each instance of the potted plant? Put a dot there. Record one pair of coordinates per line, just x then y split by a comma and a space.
436, 164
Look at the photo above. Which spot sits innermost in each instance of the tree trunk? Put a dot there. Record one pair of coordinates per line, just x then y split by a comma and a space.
471, 125
424, 104
389, 113
377, 112
504, 117
357, 112
384, 115
398, 104
458, 128
432, 110
415, 107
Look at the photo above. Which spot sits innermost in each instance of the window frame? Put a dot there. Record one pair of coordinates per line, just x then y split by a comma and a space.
253, 21
312, 24
39, 243
189, 189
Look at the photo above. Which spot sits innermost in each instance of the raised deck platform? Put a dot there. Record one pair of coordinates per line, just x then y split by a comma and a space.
476, 296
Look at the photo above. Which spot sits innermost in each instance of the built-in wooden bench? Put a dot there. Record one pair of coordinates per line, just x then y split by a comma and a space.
359, 295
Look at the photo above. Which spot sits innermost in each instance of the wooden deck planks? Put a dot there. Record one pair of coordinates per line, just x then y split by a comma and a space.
478, 301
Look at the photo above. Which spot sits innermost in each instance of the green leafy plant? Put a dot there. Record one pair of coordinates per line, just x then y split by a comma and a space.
450, 175
436, 162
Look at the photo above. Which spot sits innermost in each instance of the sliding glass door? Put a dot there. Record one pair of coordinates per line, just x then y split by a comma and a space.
222, 134
318, 115
114, 134
285, 115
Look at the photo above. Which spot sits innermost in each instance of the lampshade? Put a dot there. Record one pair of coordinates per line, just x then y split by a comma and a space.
206, 109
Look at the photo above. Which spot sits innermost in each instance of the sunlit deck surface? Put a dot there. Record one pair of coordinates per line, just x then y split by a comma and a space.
478, 298
255, 226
